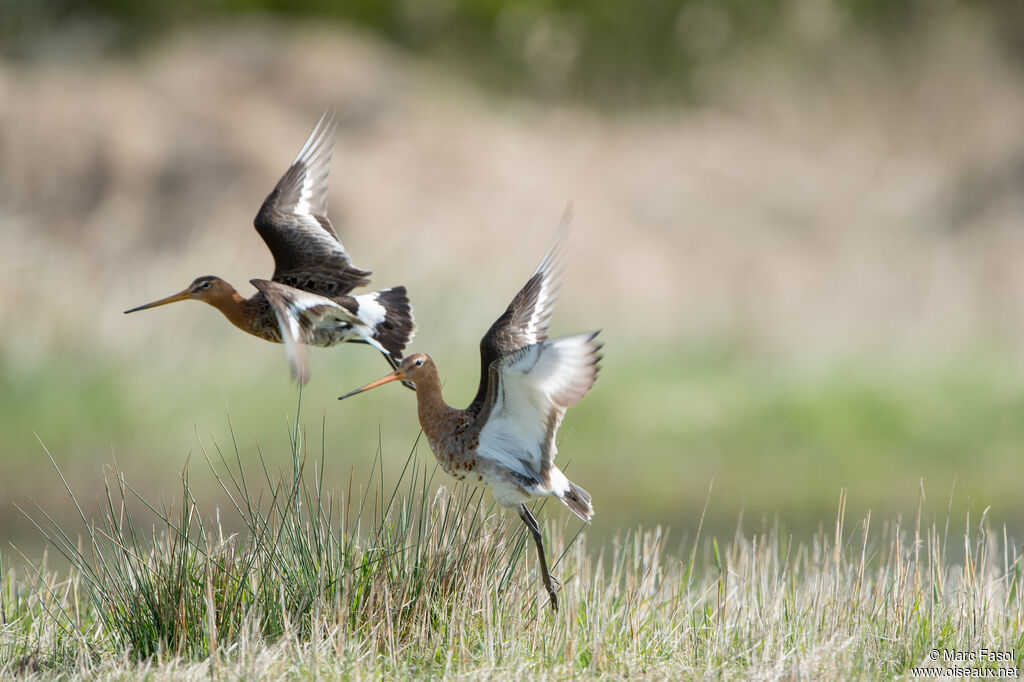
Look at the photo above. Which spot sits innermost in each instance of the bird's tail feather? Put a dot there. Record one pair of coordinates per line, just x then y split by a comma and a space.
388, 320
578, 501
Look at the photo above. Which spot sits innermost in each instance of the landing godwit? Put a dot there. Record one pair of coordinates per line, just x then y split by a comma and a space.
505, 439
307, 301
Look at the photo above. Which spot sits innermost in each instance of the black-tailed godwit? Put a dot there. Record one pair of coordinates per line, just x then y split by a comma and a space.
505, 439
307, 300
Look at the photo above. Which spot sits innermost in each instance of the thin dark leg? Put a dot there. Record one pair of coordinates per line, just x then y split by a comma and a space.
531, 523
394, 365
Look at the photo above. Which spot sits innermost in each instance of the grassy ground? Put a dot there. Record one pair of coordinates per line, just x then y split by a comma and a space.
387, 578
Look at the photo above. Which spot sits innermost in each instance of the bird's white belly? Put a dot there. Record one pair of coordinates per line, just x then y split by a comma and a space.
507, 494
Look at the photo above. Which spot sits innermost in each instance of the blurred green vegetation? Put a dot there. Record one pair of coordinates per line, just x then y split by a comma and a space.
606, 51
774, 438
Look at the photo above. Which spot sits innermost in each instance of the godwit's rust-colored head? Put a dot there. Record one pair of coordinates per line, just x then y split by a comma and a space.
413, 368
208, 289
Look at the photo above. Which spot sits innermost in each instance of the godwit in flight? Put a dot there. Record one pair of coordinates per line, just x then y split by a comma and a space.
307, 300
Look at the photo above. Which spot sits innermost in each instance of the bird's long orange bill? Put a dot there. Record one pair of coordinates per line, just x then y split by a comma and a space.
180, 296
397, 375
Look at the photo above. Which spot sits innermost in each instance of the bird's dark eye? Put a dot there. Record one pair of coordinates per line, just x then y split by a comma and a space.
206, 285
419, 361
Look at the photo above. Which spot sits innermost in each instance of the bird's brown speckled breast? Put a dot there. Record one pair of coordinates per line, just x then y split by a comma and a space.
257, 318
454, 441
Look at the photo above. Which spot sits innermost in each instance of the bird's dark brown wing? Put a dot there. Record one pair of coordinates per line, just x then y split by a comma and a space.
308, 254
526, 319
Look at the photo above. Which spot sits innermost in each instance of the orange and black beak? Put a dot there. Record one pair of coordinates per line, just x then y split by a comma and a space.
180, 296
397, 375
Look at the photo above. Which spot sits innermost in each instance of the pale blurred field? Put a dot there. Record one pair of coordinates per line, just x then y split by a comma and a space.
807, 279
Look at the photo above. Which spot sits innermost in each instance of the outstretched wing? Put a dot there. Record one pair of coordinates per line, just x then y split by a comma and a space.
299, 313
308, 254
529, 392
526, 319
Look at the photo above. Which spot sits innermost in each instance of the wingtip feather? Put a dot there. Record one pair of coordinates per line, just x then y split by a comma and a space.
323, 134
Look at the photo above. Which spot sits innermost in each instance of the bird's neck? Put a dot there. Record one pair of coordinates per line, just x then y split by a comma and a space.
433, 411
238, 310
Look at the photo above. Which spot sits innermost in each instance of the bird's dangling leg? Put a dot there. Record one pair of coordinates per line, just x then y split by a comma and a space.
531, 523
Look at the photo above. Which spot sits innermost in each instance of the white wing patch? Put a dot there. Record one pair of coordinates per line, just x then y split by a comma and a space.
536, 385
315, 157
550, 282
302, 205
371, 312
545, 301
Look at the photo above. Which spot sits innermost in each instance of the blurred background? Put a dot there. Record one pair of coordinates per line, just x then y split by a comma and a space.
799, 224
